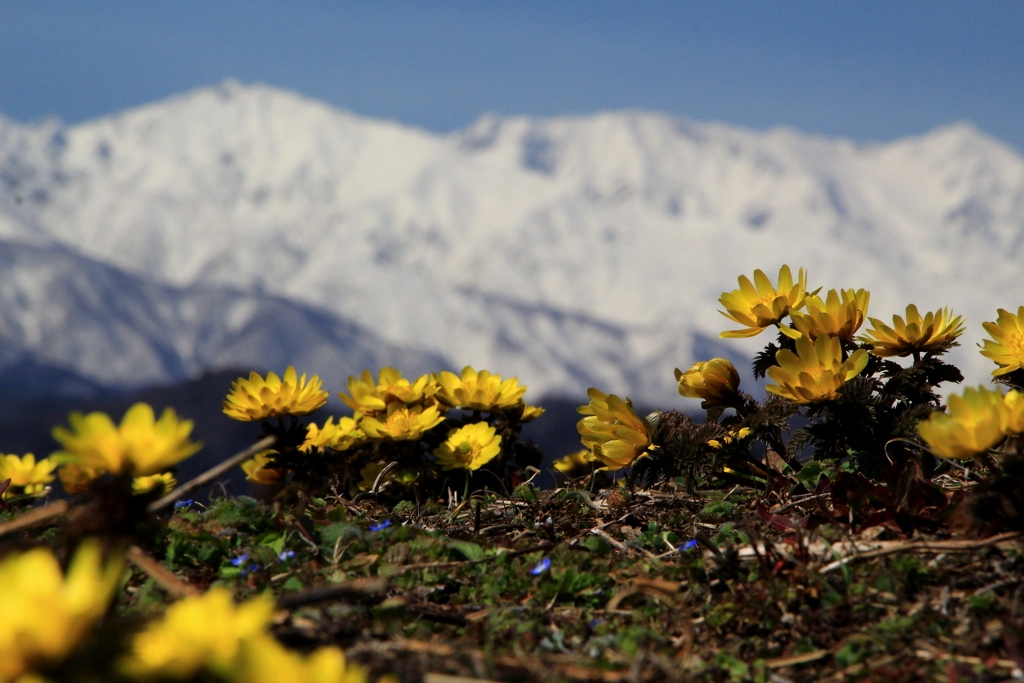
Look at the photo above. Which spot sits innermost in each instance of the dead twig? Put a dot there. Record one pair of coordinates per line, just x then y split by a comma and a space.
375, 489
490, 558
618, 545
160, 574
360, 588
802, 500
209, 475
35, 516
920, 545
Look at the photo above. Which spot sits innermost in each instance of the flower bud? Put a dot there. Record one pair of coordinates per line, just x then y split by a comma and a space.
715, 381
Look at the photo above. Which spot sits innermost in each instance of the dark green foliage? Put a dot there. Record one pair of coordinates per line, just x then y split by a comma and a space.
764, 360
683, 449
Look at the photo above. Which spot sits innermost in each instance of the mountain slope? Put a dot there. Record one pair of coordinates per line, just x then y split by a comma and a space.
573, 251
60, 310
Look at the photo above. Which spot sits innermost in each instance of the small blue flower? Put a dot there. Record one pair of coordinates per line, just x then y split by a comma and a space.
251, 568
286, 555
240, 559
544, 565
688, 546
183, 504
594, 623
383, 525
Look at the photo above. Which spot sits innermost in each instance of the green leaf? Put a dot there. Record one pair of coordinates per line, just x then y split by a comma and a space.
718, 508
737, 668
810, 473
274, 541
345, 531
598, 545
527, 492
471, 551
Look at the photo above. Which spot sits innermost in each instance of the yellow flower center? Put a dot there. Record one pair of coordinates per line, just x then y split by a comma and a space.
768, 299
404, 421
1016, 344
466, 451
815, 372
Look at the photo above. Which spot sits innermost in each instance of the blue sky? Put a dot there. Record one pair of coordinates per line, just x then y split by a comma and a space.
869, 70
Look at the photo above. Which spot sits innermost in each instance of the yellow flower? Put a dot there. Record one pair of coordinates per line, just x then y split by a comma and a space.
915, 334
478, 390
210, 634
369, 475
714, 381
26, 473
266, 661
816, 371
613, 431
402, 423
731, 436
146, 484
337, 437
259, 399
369, 398
200, 633
468, 447
975, 422
257, 469
527, 413
835, 316
77, 479
43, 614
575, 461
371, 470
760, 304
1008, 348
140, 446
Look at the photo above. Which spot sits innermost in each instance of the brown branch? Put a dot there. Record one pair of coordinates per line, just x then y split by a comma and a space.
489, 558
35, 516
618, 545
210, 475
925, 546
163, 576
360, 588
445, 678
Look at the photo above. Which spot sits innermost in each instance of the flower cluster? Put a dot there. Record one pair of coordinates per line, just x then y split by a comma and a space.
812, 365
394, 420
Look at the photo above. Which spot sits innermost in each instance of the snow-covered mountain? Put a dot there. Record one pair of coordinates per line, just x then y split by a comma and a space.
246, 225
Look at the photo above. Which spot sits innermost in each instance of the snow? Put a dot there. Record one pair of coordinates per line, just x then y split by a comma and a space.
572, 251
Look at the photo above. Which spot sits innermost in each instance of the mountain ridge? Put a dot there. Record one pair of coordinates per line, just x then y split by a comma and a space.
569, 250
